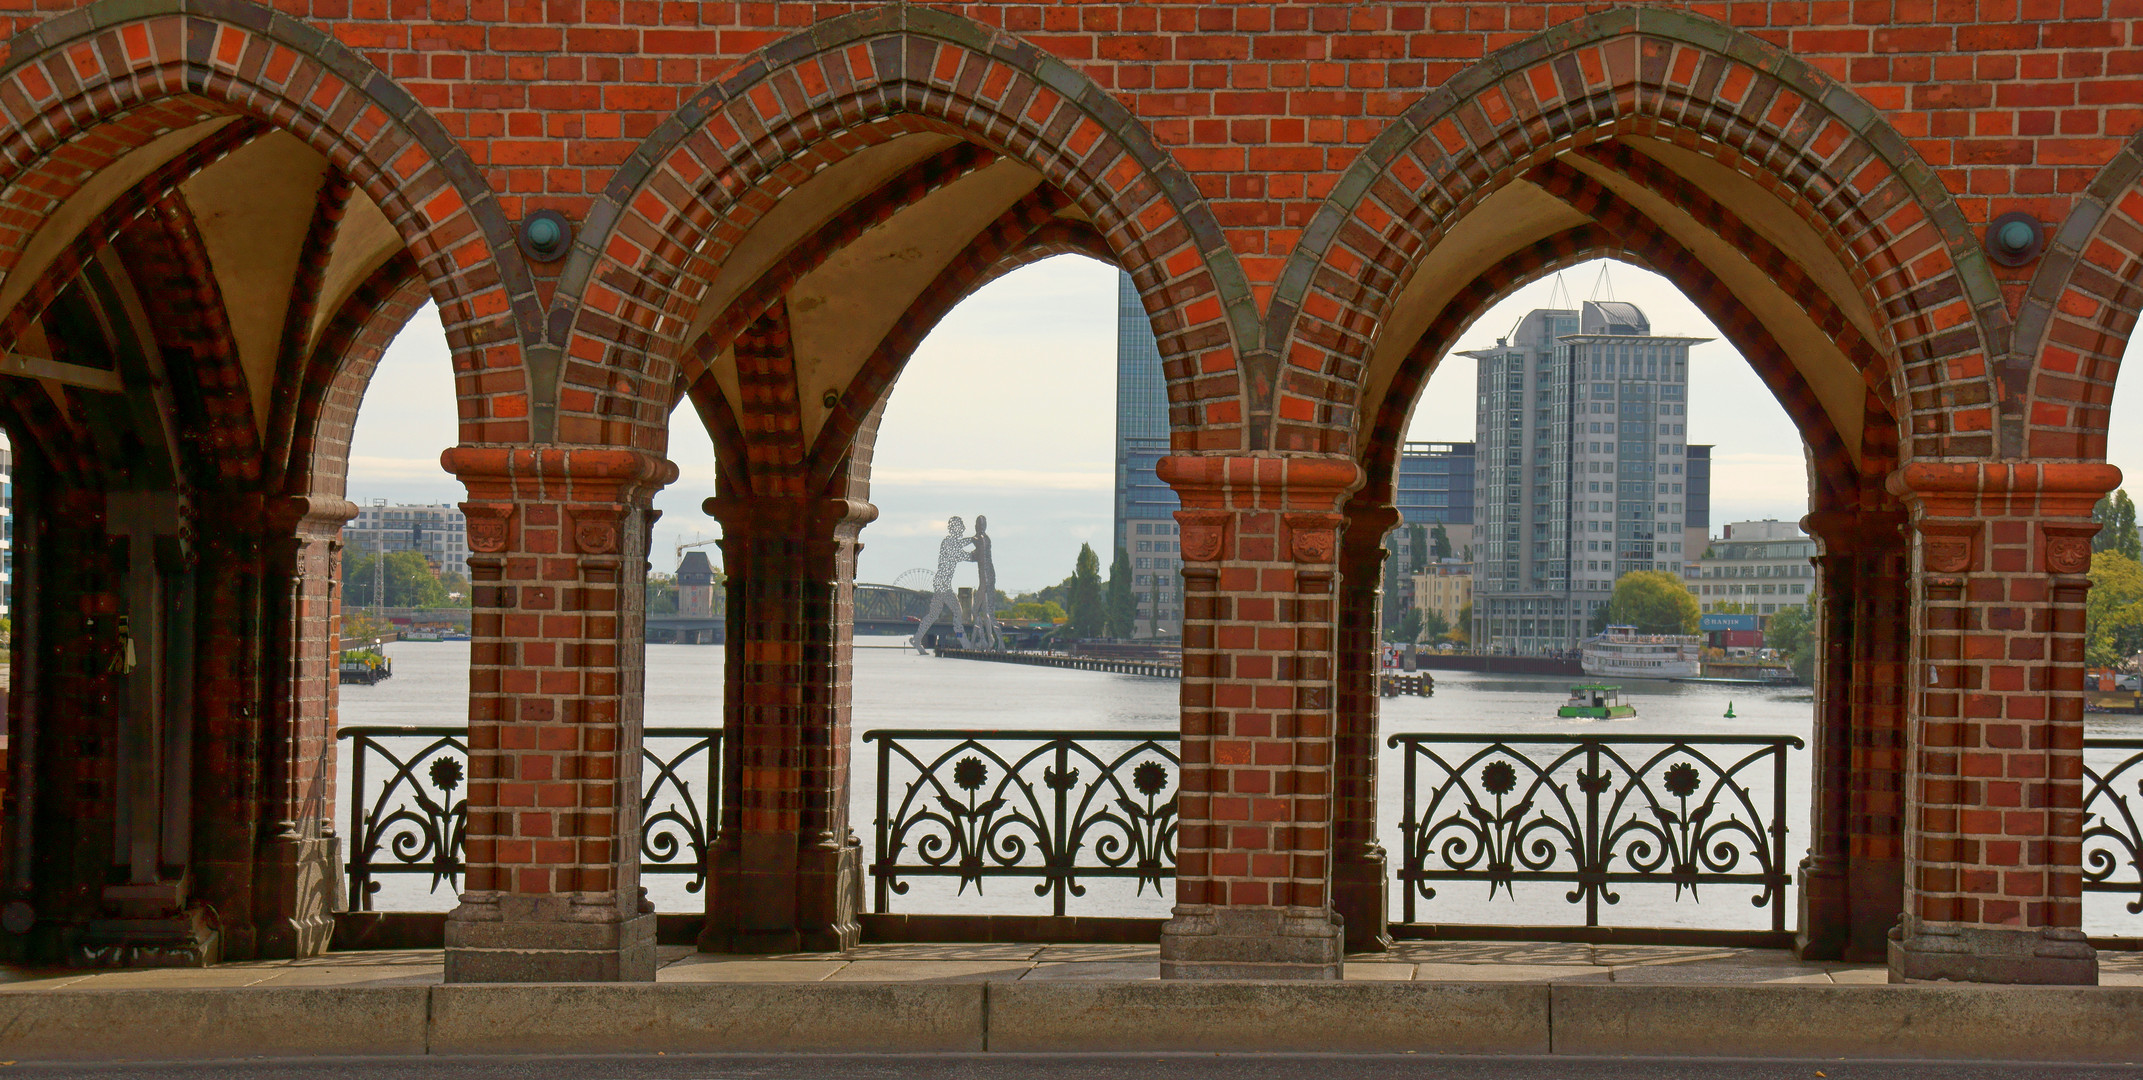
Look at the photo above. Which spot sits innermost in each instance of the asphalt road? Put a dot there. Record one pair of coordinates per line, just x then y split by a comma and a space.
1066, 1067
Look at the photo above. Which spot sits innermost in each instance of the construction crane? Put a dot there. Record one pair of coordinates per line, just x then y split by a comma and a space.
688, 545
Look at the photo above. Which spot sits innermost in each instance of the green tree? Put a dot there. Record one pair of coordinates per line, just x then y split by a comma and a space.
1032, 611
1417, 546
1434, 627
1653, 601
410, 581
1122, 610
1441, 543
1087, 606
2116, 517
1463, 632
2113, 610
661, 594
1410, 625
1793, 633
1732, 607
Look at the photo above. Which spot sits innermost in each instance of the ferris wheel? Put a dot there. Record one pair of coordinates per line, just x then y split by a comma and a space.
917, 580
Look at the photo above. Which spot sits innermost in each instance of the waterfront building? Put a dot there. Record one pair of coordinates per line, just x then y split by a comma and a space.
1762, 564
1145, 525
1444, 587
437, 531
1581, 469
696, 586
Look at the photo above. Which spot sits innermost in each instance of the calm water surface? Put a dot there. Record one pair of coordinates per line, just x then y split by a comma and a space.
895, 688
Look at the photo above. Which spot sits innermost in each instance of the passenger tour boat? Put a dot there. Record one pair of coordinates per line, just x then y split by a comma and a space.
1624, 653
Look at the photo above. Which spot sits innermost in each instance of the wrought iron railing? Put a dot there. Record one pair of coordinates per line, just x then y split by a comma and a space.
1599, 813
409, 815
2113, 820
1055, 807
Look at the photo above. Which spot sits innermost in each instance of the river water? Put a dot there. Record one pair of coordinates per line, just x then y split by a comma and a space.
896, 688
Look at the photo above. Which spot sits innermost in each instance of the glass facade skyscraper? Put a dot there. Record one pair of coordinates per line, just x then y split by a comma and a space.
1581, 470
1145, 527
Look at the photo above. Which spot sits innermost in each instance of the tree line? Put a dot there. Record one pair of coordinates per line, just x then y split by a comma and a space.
410, 581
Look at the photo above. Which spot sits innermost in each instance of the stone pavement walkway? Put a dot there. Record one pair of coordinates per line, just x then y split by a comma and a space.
1441, 961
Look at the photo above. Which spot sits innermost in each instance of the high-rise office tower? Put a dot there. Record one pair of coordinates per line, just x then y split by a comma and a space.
1581, 469
1145, 506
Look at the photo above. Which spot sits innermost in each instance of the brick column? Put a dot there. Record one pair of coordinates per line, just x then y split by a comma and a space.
1993, 832
559, 542
786, 870
1361, 881
1254, 855
1851, 883
300, 883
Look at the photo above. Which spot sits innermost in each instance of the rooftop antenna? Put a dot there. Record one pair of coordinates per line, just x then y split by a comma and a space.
1604, 284
1560, 290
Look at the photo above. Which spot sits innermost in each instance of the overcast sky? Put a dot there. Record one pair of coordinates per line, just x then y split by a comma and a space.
1009, 408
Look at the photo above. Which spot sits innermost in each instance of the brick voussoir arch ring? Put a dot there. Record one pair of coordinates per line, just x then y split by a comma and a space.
2079, 314
672, 212
84, 88
1684, 79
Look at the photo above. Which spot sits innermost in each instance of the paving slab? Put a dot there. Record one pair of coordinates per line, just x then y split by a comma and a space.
1121, 970
1386, 971
1701, 974
998, 951
1492, 952
911, 971
724, 969
1510, 972
1090, 953
1860, 976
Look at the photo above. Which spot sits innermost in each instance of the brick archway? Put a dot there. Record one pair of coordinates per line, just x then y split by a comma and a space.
1680, 79
2079, 314
127, 74
796, 106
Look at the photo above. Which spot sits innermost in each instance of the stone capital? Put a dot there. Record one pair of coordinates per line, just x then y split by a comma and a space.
587, 475
1856, 532
1987, 489
1243, 482
795, 516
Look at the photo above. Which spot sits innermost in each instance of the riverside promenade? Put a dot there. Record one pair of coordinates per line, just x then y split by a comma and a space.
1470, 998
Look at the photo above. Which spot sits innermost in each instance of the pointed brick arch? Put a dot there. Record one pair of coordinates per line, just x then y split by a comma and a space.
2080, 313
1682, 79
692, 191
121, 74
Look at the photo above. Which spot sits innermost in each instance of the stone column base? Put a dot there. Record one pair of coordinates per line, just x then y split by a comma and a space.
1204, 942
1361, 897
149, 931
300, 889
2044, 956
524, 939
764, 895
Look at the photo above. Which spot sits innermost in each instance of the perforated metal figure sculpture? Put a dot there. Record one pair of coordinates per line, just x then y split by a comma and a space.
952, 551
986, 632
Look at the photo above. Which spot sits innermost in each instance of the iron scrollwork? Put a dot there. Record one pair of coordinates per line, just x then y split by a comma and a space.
1596, 812
409, 811
1057, 807
2113, 824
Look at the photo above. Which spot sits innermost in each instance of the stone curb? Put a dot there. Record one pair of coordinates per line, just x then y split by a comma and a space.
1936, 1021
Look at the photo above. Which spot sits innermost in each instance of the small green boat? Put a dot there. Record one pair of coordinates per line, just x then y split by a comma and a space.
1592, 701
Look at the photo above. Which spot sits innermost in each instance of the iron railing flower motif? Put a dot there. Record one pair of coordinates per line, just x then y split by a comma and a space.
2113, 824
1054, 807
406, 818
1551, 808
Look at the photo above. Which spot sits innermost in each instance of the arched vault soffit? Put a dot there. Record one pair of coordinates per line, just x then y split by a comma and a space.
814, 126
1787, 153
1674, 239
2079, 313
298, 161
